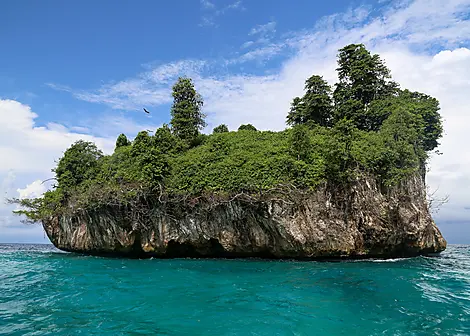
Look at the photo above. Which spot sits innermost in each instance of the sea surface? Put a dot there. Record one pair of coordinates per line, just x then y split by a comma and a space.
47, 292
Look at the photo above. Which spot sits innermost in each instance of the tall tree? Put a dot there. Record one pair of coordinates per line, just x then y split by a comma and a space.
122, 141
315, 106
165, 141
427, 122
363, 78
400, 132
300, 144
148, 156
142, 143
426, 108
296, 115
187, 118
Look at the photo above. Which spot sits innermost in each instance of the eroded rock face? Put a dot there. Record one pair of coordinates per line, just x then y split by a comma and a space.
363, 222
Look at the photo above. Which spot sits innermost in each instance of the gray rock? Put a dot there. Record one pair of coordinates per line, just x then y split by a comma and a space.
362, 221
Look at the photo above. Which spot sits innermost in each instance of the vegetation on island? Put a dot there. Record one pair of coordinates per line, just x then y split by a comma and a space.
365, 123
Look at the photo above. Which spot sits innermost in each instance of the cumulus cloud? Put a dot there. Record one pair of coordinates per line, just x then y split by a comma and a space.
7, 184
424, 42
32, 190
26, 147
28, 152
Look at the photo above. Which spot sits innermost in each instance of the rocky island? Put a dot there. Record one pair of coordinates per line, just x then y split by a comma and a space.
345, 180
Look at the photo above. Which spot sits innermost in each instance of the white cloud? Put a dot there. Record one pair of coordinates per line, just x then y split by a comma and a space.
262, 46
207, 21
206, 4
152, 87
247, 44
32, 190
424, 42
28, 151
6, 186
211, 12
263, 29
260, 54
26, 147
232, 6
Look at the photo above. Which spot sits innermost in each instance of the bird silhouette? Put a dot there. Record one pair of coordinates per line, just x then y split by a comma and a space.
146, 111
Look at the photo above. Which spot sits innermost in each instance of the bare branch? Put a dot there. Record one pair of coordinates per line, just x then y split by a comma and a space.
435, 203
52, 178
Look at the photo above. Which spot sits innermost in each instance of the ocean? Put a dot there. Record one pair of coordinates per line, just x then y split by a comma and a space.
47, 292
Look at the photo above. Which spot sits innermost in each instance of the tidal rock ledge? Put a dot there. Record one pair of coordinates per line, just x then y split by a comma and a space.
361, 222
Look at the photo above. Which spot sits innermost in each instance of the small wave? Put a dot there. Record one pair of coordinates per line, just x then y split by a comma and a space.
388, 260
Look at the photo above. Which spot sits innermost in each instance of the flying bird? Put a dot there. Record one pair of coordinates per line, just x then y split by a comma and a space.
146, 111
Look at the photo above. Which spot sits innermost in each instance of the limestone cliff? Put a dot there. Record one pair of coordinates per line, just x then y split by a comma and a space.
362, 221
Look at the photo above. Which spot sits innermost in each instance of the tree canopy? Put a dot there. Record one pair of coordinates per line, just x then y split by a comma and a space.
366, 125
187, 118
220, 129
247, 127
315, 106
79, 163
122, 141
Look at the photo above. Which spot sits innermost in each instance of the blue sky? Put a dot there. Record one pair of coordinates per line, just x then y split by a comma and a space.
84, 44
85, 69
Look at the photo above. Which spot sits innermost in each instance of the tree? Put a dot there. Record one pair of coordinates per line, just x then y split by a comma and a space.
426, 108
187, 118
400, 135
122, 141
79, 163
315, 106
166, 142
142, 143
296, 115
427, 122
220, 129
154, 166
149, 158
363, 78
247, 127
300, 143
339, 157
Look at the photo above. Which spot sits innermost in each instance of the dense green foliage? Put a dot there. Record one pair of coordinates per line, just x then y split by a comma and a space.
316, 105
122, 141
247, 127
220, 129
367, 124
79, 164
187, 117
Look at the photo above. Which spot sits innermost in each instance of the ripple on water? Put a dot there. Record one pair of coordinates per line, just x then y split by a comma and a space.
46, 292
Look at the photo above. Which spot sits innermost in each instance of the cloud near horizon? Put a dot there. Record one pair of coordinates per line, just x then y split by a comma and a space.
424, 43
29, 152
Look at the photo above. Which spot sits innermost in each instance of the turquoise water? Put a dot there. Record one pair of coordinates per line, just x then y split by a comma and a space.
46, 292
